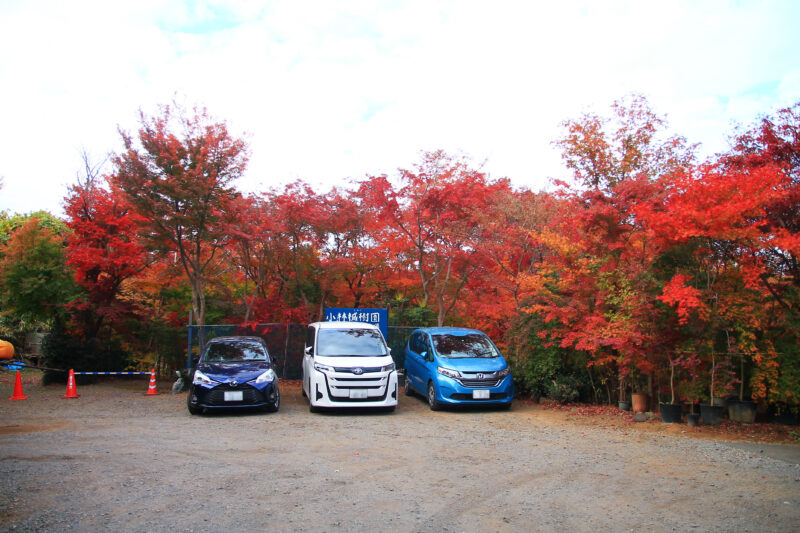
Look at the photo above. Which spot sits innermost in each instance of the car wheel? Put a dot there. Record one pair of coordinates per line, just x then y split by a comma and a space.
312, 408
407, 390
433, 403
389, 409
275, 406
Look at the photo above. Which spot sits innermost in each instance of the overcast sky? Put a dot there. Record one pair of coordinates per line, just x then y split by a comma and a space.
332, 90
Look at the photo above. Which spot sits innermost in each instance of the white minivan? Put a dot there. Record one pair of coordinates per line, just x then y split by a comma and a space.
347, 364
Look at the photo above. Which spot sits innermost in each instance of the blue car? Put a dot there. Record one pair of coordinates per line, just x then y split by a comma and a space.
457, 366
234, 372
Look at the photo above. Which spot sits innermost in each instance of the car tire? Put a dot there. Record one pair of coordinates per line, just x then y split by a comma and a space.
273, 408
389, 409
312, 408
433, 403
407, 390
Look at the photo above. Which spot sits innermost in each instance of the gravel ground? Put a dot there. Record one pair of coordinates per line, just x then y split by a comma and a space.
117, 460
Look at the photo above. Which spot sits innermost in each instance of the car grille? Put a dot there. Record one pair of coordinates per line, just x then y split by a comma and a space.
216, 396
477, 380
339, 386
366, 370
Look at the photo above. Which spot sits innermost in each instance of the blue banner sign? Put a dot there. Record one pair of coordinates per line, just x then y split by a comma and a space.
379, 317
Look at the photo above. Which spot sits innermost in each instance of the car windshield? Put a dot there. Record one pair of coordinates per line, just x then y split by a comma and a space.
235, 351
350, 342
464, 346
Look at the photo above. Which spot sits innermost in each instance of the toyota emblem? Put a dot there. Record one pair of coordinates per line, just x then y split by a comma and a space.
234, 383
480, 376
358, 371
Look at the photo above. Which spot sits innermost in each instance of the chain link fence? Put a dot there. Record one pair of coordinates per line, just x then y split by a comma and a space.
285, 343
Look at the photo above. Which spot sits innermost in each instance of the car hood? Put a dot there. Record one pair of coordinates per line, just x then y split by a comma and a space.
227, 372
352, 362
474, 364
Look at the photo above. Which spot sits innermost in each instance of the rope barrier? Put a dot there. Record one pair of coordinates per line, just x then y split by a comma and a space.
112, 373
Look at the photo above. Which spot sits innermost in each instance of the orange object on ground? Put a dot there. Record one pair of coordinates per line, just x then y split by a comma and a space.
6, 350
72, 391
151, 389
18, 389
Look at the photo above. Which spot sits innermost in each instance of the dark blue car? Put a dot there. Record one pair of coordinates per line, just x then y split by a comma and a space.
234, 372
457, 366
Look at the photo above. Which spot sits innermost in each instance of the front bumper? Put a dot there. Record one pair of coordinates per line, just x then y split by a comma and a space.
450, 391
253, 395
344, 389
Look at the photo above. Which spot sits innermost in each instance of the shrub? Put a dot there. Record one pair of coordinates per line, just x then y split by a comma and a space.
62, 351
563, 389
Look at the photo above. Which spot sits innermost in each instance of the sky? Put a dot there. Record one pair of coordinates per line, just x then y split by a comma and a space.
331, 92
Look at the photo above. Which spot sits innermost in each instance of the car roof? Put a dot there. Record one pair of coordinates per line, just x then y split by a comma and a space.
343, 325
451, 331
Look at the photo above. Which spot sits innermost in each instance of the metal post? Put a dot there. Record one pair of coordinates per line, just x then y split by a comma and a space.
189, 344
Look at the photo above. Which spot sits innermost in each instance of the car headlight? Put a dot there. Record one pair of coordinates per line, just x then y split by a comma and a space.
455, 374
266, 377
323, 368
201, 379
388, 368
503, 373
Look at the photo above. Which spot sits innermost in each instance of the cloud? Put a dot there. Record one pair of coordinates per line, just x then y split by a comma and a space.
332, 90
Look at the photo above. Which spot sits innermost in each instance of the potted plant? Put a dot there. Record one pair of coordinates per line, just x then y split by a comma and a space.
711, 413
671, 412
624, 405
692, 389
739, 409
638, 397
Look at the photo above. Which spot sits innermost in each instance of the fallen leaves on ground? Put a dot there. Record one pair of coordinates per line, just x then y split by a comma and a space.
610, 416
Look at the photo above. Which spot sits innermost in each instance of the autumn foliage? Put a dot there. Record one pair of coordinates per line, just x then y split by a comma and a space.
649, 270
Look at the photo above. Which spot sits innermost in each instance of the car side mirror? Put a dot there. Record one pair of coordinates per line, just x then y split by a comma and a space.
308, 350
195, 360
424, 355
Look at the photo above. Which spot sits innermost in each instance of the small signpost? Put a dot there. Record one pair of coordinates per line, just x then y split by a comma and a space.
379, 317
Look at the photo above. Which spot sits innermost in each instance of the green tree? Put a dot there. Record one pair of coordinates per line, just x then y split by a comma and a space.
34, 278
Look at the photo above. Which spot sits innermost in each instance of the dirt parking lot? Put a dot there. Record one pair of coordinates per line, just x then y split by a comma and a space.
117, 460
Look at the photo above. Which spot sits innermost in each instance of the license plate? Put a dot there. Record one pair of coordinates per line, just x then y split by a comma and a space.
480, 395
234, 396
358, 393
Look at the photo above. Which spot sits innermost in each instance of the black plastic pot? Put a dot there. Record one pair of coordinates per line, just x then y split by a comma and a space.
693, 419
742, 411
711, 414
670, 412
625, 406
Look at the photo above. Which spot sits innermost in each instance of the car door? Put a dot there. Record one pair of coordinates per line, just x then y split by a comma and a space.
414, 367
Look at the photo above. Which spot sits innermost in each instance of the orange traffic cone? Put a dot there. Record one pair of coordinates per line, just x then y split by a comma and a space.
18, 389
151, 389
72, 391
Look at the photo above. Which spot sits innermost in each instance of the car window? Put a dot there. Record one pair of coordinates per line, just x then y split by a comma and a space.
235, 350
463, 346
356, 342
413, 343
310, 337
